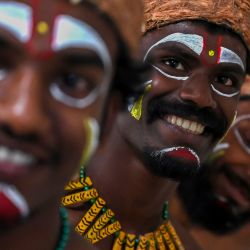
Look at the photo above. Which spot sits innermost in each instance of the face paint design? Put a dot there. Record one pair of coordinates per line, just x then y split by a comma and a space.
237, 133
13, 205
221, 146
136, 109
223, 94
70, 32
182, 153
228, 56
194, 42
92, 129
15, 17
197, 44
66, 32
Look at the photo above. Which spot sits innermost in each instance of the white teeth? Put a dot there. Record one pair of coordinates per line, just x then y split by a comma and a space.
15, 157
191, 126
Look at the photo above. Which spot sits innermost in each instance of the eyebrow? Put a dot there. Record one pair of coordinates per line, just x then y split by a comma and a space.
81, 58
245, 98
192, 41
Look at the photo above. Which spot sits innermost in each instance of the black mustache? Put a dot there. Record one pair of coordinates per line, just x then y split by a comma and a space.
216, 124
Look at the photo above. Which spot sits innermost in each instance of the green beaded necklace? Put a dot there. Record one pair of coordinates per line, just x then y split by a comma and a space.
65, 230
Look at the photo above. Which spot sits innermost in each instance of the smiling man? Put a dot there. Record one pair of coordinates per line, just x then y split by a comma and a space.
198, 52
58, 61
217, 199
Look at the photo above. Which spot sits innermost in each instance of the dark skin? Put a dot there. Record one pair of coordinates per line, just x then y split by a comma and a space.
230, 231
34, 123
119, 163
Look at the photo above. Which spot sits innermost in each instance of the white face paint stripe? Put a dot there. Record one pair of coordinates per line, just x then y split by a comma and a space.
241, 141
183, 78
71, 32
192, 41
221, 146
240, 118
222, 94
228, 56
16, 197
16, 18
237, 133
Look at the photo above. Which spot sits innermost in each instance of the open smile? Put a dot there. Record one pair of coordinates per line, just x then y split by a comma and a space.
189, 126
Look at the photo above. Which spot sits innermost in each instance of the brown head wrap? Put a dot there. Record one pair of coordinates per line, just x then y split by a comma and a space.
234, 14
127, 16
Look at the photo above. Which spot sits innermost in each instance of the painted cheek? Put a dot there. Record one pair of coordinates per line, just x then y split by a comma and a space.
136, 108
92, 131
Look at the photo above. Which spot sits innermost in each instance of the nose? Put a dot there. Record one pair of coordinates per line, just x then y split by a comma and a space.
22, 109
197, 89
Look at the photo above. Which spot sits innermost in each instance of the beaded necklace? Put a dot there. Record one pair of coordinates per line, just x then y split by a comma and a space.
65, 230
99, 221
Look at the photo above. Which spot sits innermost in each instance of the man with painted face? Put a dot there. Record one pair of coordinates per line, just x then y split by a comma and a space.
58, 61
216, 201
198, 52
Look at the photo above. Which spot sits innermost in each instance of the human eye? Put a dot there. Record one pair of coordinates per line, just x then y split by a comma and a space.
174, 63
224, 80
74, 85
227, 85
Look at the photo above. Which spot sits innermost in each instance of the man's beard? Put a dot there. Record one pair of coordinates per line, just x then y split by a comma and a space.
167, 166
207, 210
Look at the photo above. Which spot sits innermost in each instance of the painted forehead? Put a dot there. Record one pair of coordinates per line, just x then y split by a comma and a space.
63, 31
198, 44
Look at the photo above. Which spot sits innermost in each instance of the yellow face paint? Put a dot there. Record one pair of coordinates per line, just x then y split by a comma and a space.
136, 110
42, 28
92, 135
211, 53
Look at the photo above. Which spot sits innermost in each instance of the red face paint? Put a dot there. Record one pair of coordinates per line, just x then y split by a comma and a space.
183, 153
9, 212
214, 58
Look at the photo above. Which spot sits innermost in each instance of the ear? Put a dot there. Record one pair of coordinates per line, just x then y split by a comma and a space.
114, 106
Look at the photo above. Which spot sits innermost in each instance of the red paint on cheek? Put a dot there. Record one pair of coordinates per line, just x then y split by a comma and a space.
8, 211
183, 153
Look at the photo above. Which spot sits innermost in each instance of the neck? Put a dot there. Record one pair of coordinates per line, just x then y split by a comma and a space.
31, 234
139, 196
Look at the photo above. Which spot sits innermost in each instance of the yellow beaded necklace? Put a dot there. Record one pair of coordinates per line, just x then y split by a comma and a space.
99, 222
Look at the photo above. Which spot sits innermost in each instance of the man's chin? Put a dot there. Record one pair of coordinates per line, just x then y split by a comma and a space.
206, 210
169, 166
